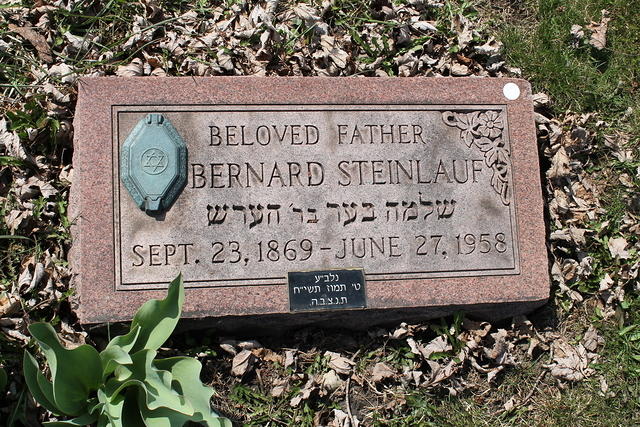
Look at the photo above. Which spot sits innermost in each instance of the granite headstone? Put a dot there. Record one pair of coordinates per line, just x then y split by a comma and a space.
307, 199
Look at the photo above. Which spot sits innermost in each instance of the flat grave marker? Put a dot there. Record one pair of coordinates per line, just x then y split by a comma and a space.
281, 196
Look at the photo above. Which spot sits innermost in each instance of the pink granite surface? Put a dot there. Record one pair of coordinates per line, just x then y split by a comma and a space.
92, 205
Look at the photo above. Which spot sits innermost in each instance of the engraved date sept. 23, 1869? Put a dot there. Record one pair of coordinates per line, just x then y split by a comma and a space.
347, 248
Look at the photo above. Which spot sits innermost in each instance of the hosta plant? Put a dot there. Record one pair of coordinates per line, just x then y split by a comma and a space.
124, 385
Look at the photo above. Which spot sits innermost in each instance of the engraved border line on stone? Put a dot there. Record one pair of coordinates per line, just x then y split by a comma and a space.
483, 129
125, 169
364, 108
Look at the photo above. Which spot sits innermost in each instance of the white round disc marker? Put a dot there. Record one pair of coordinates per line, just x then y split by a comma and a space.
511, 91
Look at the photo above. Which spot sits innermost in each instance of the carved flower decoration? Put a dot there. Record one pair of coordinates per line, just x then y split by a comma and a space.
483, 129
490, 124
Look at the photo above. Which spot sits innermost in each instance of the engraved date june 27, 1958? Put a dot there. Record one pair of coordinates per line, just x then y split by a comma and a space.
300, 250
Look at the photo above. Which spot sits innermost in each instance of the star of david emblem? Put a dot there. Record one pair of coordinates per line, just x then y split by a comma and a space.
154, 161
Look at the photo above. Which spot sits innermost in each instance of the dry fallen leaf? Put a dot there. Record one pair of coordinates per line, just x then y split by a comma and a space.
426, 26
9, 304
440, 373
17, 335
35, 185
626, 180
509, 404
279, 387
305, 393
38, 275
243, 362
577, 34
333, 52
58, 96
229, 346
225, 60
559, 165
401, 331
462, 26
142, 33
381, 371
592, 339
343, 419
617, 248
11, 142
479, 329
270, 356
249, 345
64, 72
289, 358
500, 350
578, 235
36, 39
16, 218
437, 345
411, 376
599, 31
570, 363
493, 373
459, 70
331, 381
624, 155
604, 387
311, 18
540, 99
133, 69
339, 363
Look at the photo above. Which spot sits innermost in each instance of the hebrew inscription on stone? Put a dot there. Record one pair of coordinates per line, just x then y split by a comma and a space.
402, 192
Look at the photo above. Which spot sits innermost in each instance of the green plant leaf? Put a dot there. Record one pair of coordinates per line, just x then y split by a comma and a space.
111, 409
157, 385
13, 237
83, 420
75, 372
121, 410
135, 408
163, 417
117, 351
114, 387
39, 386
111, 357
154, 386
186, 372
3, 379
126, 342
131, 388
131, 414
158, 318
16, 161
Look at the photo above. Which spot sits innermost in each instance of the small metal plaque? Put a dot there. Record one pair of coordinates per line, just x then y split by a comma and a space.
327, 290
154, 163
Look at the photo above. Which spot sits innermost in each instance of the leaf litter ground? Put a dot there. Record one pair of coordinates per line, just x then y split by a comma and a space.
452, 371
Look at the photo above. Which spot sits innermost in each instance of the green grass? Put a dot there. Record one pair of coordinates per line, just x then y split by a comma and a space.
267, 410
578, 405
579, 77
536, 35
419, 410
